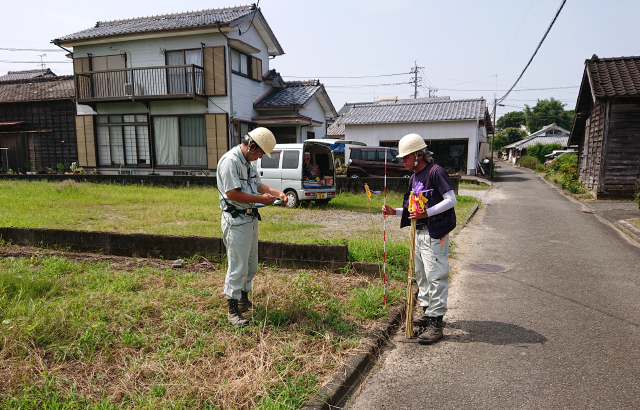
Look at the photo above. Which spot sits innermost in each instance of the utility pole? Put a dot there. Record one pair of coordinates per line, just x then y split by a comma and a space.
415, 80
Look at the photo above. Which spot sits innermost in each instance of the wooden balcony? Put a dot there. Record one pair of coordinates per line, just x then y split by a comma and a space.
177, 82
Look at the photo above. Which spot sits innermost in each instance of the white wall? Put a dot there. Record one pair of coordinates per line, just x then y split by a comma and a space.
246, 91
314, 111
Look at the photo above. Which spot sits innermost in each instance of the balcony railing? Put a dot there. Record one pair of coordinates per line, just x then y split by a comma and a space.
145, 83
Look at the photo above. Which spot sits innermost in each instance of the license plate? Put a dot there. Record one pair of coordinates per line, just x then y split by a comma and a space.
320, 195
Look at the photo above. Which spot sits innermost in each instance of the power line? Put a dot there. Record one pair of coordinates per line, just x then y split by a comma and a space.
48, 50
363, 76
35, 62
534, 53
514, 39
521, 89
364, 85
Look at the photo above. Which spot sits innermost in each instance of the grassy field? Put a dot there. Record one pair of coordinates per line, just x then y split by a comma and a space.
84, 334
194, 211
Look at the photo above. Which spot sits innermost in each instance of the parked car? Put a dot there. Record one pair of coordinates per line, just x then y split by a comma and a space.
369, 162
285, 171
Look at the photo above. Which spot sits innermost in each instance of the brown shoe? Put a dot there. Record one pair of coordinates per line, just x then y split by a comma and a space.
234, 315
434, 332
244, 304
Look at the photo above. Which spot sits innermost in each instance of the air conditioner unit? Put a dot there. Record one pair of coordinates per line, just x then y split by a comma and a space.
132, 89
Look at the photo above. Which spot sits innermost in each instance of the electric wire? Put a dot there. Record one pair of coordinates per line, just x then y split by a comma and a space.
363, 76
498, 101
250, 24
514, 39
48, 50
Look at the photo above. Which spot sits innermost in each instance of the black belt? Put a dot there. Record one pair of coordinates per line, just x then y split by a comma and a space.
248, 211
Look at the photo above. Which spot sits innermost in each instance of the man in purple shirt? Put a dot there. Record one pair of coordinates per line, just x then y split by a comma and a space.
432, 234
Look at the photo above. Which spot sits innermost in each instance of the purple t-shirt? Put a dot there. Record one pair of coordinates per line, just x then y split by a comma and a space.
438, 180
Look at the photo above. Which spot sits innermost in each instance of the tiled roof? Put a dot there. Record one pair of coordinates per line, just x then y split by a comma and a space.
26, 74
337, 127
562, 139
295, 93
551, 127
163, 22
420, 110
47, 88
614, 77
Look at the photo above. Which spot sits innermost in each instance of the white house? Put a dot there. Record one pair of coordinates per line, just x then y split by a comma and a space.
550, 134
455, 130
171, 94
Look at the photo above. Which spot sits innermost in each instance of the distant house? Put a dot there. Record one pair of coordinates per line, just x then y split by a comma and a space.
171, 94
336, 127
607, 126
549, 134
455, 130
26, 75
295, 110
37, 123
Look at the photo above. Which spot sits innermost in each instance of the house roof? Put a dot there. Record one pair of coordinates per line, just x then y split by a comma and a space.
417, 110
562, 139
26, 74
296, 94
547, 130
337, 127
614, 77
230, 17
37, 89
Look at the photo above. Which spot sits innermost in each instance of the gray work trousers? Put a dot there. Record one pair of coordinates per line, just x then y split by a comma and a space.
242, 257
432, 272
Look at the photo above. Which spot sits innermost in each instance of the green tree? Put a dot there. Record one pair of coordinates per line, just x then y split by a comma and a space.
508, 136
547, 112
513, 119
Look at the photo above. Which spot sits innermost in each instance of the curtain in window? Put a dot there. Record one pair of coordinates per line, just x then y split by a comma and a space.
130, 144
103, 144
193, 141
176, 76
117, 149
194, 57
166, 140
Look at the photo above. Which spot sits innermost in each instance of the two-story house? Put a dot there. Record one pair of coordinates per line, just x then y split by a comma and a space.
171, 94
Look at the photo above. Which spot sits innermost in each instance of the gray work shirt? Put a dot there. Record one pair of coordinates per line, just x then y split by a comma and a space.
235, 172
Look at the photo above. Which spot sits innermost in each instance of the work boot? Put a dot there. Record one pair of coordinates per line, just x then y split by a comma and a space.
422, 320
234, 315
433, 333
245, 304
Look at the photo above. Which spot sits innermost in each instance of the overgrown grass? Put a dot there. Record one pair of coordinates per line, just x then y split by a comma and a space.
564, 170
474, 187
85, 335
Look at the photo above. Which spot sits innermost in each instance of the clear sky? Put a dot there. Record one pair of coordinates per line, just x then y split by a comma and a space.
466, 48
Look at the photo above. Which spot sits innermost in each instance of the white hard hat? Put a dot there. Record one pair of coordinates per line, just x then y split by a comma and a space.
410, 143
264, 138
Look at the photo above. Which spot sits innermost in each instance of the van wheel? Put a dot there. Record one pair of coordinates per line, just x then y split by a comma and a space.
292, 198
406, 175
355, 175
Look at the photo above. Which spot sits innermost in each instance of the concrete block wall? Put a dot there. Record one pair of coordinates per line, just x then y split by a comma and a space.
172, 247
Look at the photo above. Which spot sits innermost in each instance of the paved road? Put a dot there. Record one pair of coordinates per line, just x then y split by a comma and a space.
559, 329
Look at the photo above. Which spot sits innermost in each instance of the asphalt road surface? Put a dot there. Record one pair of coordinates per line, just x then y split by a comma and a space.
559, 328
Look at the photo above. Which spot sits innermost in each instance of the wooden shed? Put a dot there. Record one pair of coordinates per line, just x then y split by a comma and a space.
607, 126
37, 123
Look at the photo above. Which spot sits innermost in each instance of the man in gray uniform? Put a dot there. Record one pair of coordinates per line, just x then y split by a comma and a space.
240, 189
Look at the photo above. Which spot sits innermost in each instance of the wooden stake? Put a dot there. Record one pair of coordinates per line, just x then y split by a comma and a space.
409, 314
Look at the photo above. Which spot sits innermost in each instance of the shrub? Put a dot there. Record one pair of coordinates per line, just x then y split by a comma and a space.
539, 168
528, 161
566, 168
540, 150
638, 199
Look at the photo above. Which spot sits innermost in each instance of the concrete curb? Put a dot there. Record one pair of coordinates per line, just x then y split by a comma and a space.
629, 229
350, 375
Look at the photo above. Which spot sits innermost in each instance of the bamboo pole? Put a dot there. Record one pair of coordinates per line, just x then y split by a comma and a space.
409, 313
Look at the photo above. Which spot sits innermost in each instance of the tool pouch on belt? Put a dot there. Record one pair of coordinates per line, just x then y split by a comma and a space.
235, 212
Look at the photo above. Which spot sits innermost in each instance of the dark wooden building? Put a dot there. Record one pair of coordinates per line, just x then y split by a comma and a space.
37, 123
607, 126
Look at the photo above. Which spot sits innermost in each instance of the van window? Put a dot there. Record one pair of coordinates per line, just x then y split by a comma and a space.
368, 155
355, 154
290, 159
272, 162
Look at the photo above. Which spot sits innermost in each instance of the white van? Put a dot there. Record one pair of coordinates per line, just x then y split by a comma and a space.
285, 170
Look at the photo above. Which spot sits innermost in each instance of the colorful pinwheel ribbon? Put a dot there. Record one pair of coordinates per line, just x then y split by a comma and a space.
370, 191
417, 202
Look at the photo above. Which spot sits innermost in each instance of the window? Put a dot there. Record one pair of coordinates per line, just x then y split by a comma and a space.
239, 62
123, 139
311, 135
180, 80
271, 162
180, 141
290, 159
368, 155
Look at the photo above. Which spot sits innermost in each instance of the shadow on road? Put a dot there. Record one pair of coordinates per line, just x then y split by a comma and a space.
495, 333
510, 179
